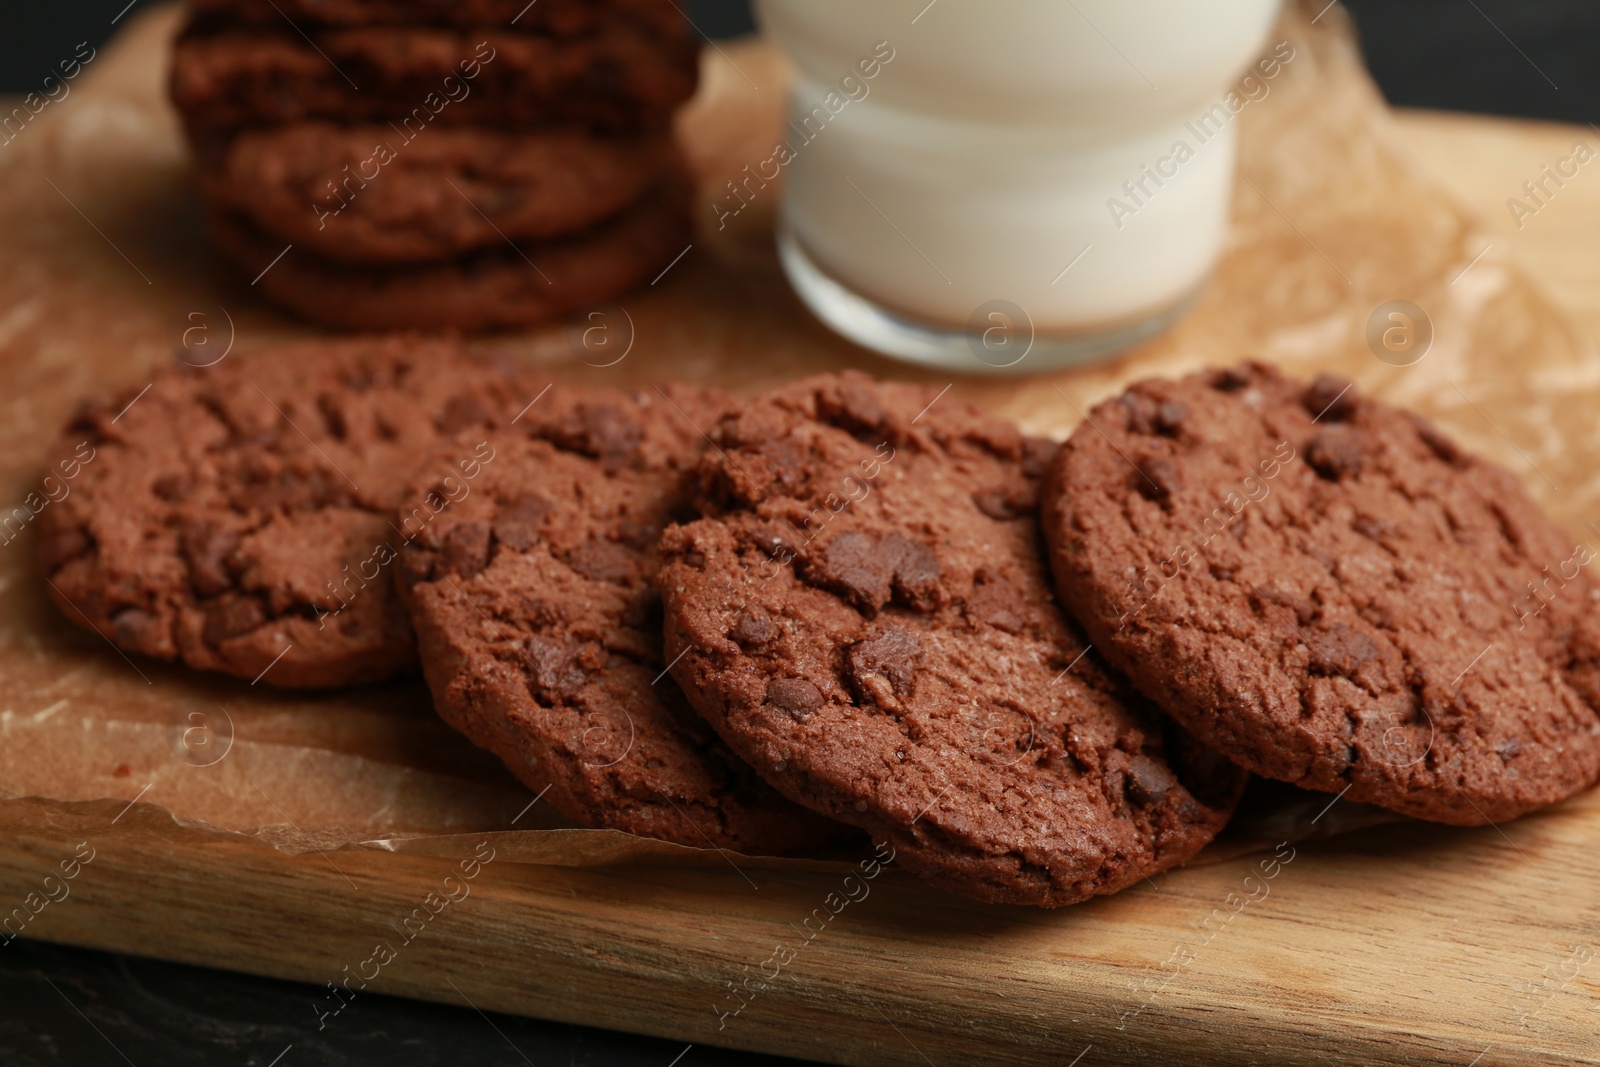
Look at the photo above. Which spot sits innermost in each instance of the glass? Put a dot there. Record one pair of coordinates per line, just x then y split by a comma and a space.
1016, 184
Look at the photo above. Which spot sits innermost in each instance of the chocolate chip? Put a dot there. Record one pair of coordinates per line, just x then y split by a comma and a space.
771, 468
1343, 650
172, 487
333, 417
916, 573
459, 413
1148, 780
1331, 397
136, 628
892, 655
207, 547
854, 410
1231, 380
555, 674
90, 419
1139, 411
232, 616
602, 560
465, 549
1170, 417
753, 629
870, 570
795, 696
1508, 750
1336, 452
1003, 505
600, 431
516, 524
772, 542
1160, 479
861, 565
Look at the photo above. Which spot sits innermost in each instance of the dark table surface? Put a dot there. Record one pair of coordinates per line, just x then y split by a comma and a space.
81, 1008
65, 1006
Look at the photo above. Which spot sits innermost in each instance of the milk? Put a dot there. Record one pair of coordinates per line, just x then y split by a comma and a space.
1068, 163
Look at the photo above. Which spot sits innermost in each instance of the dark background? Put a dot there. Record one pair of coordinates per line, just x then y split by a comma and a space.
1532, 58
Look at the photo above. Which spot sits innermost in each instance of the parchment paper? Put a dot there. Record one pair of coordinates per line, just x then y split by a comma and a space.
104, 261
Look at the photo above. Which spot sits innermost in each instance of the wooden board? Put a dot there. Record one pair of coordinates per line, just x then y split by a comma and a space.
1404, 943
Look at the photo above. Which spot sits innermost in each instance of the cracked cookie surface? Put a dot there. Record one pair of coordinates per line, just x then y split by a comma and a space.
237, 517
529, 578
866, 618
1330, 592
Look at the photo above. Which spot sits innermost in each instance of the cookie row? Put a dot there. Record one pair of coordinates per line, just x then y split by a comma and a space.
467, 168
252, 518
849, 589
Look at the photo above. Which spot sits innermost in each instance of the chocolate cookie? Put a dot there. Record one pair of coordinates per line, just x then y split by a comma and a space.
226, 77
367, 194
238, 517
495, 287
1328, 591
559, 18
530, 589
867, 620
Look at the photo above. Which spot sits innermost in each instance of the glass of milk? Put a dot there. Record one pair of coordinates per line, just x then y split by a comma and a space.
1010, 185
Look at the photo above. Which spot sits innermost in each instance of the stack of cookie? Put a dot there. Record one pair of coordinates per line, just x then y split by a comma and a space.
843, 616
375, 164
